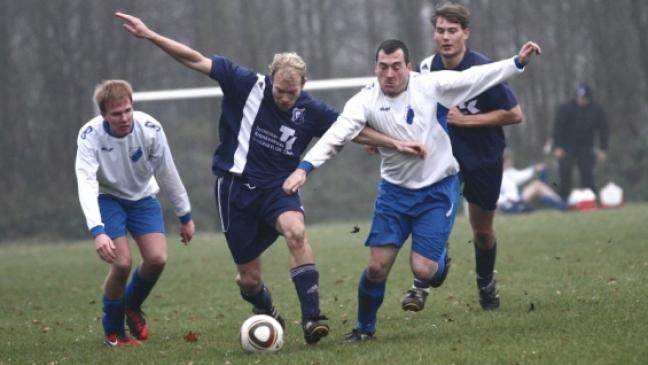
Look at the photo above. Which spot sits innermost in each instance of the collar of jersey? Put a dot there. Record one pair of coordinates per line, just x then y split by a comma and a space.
106, 128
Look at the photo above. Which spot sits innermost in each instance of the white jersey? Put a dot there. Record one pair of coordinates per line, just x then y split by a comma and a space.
512, 179
418, 114
125, 167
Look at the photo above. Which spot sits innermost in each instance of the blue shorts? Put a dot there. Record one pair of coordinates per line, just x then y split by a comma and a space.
137, 216
248, 215
428, 214
482, 186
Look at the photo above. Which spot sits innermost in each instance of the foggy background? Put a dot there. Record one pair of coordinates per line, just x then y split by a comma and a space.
54, 52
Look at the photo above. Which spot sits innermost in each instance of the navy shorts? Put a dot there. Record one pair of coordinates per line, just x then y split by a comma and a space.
137, 216
428, 214
248, 215
482, 186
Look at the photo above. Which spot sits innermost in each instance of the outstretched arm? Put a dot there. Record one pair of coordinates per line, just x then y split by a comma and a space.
182, 53
370, 136
495, 118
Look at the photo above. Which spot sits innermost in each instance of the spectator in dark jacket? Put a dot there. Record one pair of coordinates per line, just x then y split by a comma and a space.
579, 122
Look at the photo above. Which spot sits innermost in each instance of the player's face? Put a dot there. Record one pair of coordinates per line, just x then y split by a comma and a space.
286, 86
119, 115
392, 72
450, 38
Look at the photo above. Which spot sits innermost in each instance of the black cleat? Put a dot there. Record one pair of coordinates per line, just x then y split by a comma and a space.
489, 297
272, 312
315, 329
414, 300
357, 336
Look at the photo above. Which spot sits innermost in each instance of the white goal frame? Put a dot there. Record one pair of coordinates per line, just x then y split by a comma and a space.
215, 92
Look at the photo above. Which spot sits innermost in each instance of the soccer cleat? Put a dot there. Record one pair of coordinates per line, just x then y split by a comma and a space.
137, 324
315, 329
272, 312
435, 283
489, 297
414, 300
356, 336
115, 340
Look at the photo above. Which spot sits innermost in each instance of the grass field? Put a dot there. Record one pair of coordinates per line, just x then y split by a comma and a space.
574, 291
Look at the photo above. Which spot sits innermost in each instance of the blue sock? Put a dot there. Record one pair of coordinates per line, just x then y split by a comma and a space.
370, 298
306, 280
421, 284
260, 300
485, 265
138, 290
553, 202
112, 316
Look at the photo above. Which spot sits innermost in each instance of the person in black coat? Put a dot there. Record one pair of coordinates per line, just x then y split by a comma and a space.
579, 122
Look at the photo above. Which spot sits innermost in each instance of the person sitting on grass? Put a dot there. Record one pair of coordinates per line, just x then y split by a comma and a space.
524, 189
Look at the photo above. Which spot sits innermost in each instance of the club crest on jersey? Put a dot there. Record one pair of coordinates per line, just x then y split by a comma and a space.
410, 115
298, 115
135, 153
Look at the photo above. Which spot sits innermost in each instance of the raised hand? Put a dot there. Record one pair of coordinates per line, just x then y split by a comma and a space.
135, 25
527, 50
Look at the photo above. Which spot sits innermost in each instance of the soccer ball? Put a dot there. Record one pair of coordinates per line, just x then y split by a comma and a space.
261, 333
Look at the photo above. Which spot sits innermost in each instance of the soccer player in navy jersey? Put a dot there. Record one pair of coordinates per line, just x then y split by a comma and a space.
417, 195
475, 128
267, 121
122, 154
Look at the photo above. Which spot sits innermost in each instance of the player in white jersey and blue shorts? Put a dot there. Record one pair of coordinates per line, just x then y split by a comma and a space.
122, 155
267, 122
478, 143
417, 194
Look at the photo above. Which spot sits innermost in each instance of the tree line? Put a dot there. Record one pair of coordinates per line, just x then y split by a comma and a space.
54, 52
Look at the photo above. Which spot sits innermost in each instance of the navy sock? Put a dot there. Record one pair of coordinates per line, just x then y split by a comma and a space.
112, 316
138, 290
485, 265
306, 280
370, 298
260, 300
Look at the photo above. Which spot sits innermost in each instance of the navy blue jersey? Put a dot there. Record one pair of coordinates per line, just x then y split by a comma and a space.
476, 147
258, 140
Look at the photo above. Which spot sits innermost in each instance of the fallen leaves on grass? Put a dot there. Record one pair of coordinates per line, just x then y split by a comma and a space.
191, 337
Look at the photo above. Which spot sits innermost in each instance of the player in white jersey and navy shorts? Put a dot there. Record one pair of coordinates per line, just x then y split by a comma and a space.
122, 155
417, 194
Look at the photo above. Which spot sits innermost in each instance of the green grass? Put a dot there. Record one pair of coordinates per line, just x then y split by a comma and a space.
574, 291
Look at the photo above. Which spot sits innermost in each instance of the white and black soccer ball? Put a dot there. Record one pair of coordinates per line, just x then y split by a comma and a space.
261, 333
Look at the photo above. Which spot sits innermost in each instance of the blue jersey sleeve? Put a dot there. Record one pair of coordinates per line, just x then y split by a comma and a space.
232, 78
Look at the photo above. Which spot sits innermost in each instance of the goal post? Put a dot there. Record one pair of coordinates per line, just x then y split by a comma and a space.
215, 92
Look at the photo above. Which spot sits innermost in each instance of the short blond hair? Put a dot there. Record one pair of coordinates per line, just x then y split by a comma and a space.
288, 60
109, 90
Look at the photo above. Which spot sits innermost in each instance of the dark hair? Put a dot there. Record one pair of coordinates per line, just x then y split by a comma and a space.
454, 13
390, 46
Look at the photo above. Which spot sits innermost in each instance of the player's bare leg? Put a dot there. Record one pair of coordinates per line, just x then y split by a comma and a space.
304, 275
153, 249
113, 300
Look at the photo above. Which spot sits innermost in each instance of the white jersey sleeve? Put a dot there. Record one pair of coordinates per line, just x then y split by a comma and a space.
347, 127
450, 88
86, 166
167, 174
